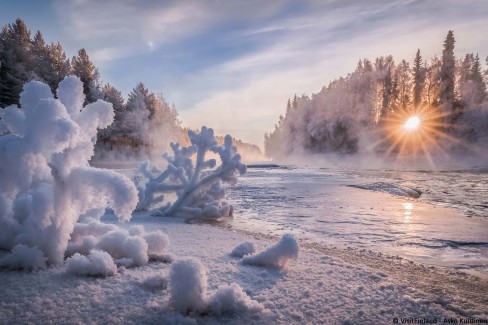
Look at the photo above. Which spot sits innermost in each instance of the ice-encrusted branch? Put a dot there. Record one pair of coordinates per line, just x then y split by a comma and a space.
198, 187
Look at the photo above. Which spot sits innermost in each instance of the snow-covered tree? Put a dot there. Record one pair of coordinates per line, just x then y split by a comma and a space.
419, 75
83, 68
447, 74
198, 187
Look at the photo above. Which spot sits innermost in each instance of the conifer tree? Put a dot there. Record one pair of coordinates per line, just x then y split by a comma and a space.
83, 68
447, 74
419, 75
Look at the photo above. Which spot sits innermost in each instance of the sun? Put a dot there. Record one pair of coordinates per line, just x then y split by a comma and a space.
412, 123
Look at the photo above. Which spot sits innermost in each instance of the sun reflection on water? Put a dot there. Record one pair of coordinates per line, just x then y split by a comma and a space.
407, 211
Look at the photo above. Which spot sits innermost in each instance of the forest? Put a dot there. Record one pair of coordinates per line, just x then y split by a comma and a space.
144, 124
365, 111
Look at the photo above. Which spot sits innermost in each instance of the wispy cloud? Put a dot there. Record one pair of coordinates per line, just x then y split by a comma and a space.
233, 64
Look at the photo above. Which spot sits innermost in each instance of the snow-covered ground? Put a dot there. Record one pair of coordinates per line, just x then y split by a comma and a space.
324, 285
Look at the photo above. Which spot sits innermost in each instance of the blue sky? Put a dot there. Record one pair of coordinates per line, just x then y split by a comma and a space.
232, 65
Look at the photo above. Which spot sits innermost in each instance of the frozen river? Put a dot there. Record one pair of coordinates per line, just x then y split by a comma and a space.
379, 210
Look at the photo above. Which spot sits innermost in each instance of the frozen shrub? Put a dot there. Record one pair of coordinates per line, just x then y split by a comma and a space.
277, 255
198, 188
46, 183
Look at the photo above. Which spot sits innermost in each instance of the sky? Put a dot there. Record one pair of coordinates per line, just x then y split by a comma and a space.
232, 65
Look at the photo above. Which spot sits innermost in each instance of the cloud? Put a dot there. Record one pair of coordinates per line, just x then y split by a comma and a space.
301, 53
233, 65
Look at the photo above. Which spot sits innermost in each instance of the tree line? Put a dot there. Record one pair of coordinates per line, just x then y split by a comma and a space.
143, 122
351, 112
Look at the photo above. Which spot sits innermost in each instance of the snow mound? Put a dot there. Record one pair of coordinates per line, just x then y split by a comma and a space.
97, 263
155, 282
131, 247
246, 248
188, 292
188, 285
24, 257
398, 190
277, 255
46, 182
232, 299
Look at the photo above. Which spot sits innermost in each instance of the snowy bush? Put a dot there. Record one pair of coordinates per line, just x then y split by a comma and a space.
46, 183
243, 249
188, 292
198, 188
277, 255
97, 263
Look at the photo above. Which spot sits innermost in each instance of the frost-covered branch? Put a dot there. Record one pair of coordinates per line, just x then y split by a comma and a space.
198, 187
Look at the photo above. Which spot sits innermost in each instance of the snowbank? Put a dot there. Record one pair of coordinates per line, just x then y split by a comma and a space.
277, 255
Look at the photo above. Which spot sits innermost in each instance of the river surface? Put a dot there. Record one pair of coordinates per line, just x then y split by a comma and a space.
437, 218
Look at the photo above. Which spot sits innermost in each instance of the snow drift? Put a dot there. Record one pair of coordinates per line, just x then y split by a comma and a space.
277, 255
46, 183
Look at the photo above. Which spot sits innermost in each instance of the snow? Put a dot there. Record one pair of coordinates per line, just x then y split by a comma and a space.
232, 299
325, 285
277, 255
97, 263
243, 249
46, 183
188, 285
199, 190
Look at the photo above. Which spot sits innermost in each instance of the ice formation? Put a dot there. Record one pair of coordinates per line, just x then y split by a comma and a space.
198, 188
277, 255
46, 183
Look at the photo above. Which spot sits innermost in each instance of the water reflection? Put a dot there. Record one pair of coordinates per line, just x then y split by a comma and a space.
407, 211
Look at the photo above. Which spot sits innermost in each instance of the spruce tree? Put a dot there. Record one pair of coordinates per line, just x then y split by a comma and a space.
447, 74
419, 75
83, 68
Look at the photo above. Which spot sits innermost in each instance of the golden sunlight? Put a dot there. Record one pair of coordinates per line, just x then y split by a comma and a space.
412, 123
